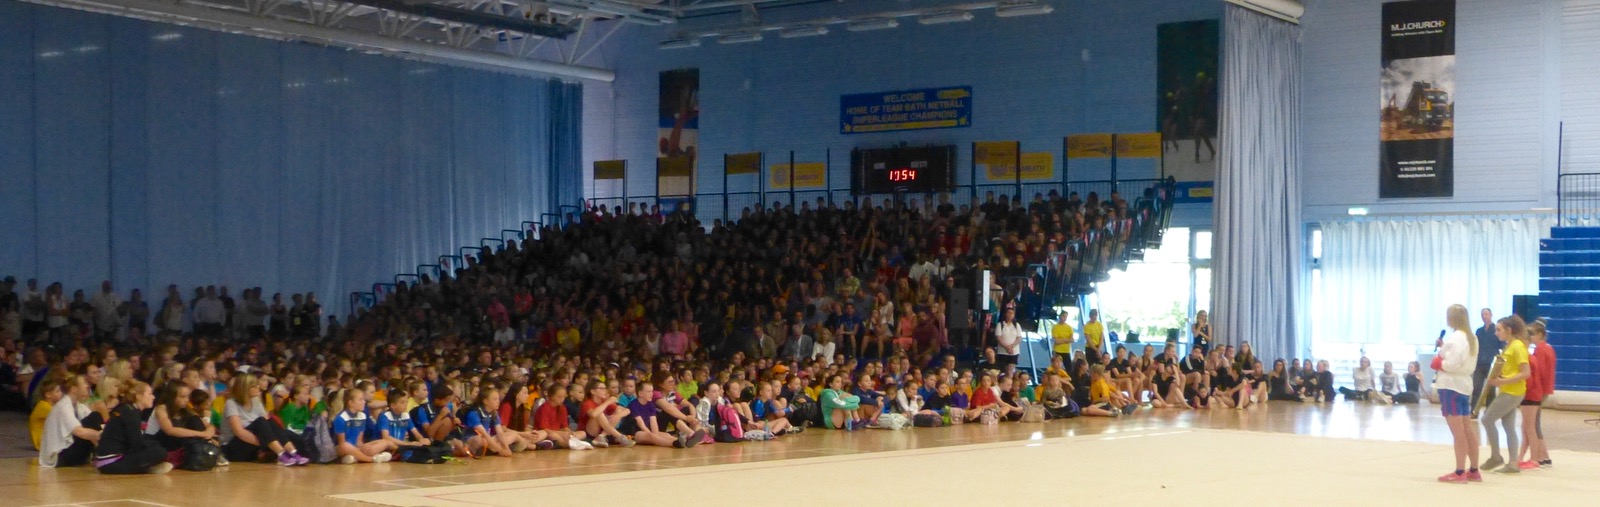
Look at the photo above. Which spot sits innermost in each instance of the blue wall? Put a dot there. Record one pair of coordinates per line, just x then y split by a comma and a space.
1029, 77
1508, 97
151, 154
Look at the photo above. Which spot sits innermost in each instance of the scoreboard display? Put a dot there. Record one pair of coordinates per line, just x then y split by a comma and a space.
890, 170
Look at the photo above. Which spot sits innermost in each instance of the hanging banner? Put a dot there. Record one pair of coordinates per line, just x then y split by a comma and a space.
1187, 58
1417, 156
743, 163
678, 141
928, 108
806, 175
1089, 146
997, 160
610, 169
1139, 145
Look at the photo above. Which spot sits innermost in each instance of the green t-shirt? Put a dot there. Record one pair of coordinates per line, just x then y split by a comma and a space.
295, 416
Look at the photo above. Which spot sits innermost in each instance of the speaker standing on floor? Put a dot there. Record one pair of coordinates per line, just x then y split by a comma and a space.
1526, 307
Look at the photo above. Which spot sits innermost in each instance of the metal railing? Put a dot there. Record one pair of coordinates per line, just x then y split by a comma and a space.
1578, 199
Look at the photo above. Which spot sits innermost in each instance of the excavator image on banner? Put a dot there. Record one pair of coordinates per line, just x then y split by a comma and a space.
1427, 108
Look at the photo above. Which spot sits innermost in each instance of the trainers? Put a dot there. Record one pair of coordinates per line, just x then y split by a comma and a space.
343, 460
1492, 463
626, 442
695, 438
682, 442
286, 459
299, 459
1474, 476
159, 468
795, 430
544, 445
222, 462
1129, 408
599, 443
382, 457
518, 447
1454, 477
1510, 468
578, 445
1546, 464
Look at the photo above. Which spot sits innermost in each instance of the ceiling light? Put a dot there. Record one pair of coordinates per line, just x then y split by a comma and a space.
680, 43
740, 37
803, 31
938, 18
869, 24
1014, 9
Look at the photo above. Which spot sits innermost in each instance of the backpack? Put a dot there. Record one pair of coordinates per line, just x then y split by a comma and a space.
319, 435
431, 454
927, 420
199, 455
805, 409
893, 421
729, 427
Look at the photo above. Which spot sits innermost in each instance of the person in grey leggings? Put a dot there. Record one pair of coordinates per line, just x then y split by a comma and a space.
1503, 410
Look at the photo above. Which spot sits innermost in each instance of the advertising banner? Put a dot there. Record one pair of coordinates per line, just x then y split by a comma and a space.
1417, 130
1089, 146
997, 160
743, 163
806, 175
1139, 145
928, 108
610, 169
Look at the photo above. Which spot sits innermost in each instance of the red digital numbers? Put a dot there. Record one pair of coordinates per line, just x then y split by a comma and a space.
898, 175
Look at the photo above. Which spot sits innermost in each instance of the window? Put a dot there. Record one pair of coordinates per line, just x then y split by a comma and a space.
1202, 245
1151, 296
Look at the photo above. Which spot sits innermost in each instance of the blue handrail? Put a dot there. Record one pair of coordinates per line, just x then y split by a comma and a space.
414, 278
463, 252
557, 222
520, 234
437, 269
444, 260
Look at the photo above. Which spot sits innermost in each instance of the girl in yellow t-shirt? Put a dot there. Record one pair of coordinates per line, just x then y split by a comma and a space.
1512, 381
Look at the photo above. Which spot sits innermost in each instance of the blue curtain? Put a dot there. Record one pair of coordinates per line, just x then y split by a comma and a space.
151, 154
1258, 257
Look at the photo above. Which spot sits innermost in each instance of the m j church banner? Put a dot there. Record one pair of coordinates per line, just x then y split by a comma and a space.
1417, 156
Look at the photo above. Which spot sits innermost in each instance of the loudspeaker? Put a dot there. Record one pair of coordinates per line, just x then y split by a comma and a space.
960, 304
1526, 307
1172, 334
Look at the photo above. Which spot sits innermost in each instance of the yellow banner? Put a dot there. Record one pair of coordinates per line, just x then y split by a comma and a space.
743, 163
610, 169
998, 159
1089, 146
806, 175
681, 166
1039, 166
1147, 145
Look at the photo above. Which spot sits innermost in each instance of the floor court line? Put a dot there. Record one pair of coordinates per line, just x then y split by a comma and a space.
620, 466
118, 500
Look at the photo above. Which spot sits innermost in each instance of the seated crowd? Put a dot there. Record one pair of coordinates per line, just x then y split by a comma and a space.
622, 328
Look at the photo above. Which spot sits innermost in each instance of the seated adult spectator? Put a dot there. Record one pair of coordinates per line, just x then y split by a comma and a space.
246, 429
1364, 378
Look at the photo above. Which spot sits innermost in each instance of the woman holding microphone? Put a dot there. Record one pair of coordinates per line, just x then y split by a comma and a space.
1458, 352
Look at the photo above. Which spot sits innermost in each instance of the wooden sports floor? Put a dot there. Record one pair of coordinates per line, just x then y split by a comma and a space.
1375, 453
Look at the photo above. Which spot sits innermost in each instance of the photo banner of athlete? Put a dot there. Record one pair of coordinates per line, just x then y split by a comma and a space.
678, 141
1417, 121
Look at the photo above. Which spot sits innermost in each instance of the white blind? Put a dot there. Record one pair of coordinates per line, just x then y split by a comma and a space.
1580, 86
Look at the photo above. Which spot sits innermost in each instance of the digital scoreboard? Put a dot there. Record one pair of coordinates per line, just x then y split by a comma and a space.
891, 170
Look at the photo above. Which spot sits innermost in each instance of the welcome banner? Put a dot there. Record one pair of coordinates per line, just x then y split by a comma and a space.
1417, 124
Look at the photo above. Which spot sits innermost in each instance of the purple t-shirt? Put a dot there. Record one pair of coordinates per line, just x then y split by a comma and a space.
643, 409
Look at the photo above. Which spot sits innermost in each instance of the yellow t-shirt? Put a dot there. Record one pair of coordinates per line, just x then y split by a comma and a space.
1094, 333
36, 421
1100, 391
1512, 359
1061, 335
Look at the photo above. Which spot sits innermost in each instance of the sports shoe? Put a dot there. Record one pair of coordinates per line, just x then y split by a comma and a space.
578, 445
682, 442
288, 460
544, 445
1510, 468
626, 442
159, 468
1129, 408
1454, 477
695, 438
1492, 463
299, 459
382, 457
1474, 476
518, 447
600, 442
1546, 464
1528, 465
343, 460
222, 462
795, 430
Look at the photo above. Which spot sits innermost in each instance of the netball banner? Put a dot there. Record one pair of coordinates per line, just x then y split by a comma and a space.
1417, 124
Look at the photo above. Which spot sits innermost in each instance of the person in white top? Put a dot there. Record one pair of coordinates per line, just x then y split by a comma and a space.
1458, 353
108, 313
1008, 342
66, 441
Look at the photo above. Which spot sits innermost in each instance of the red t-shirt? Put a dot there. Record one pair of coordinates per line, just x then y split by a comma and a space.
983, 396
588, 406
1542, 372
551, 416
